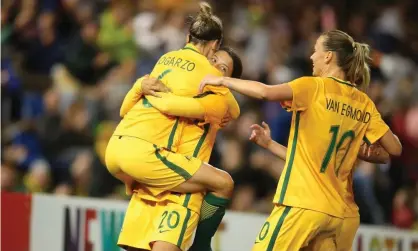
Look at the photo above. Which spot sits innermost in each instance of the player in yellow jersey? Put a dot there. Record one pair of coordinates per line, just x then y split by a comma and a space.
144, 145
374, 154
331, 117
172, 218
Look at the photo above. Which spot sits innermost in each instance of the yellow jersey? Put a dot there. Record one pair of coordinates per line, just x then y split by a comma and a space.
352, 209
181, 71
331, 118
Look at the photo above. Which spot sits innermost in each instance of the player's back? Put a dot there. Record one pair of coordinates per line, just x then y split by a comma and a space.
331, 119
182, 72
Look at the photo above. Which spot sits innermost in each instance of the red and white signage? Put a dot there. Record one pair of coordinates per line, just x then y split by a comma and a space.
48, 223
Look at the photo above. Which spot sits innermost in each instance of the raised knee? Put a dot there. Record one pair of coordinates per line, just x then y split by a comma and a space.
227, 183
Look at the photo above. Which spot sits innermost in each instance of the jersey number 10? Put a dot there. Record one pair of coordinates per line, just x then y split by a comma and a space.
334, 147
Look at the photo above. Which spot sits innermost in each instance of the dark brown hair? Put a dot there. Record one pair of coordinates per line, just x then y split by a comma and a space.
352, 57
236, 61
205, 26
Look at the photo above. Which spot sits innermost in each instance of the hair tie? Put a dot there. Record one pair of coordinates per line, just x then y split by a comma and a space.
354, 45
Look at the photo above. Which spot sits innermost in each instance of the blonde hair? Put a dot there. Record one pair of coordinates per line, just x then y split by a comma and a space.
352, 57
205, 26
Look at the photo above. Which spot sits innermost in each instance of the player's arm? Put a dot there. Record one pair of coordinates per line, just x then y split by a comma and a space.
141, 87
174, 105
207, 106
391, 143
261, 135
131, 98
211, 106
373, 153
232, 104
378, 131
300, 91
252, 88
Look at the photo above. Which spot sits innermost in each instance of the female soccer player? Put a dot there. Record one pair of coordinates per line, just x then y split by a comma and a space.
149, 225
145, 143
331, 117
375, 154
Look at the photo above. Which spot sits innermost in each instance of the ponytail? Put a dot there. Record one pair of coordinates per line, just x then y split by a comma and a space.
359, 70
352, 57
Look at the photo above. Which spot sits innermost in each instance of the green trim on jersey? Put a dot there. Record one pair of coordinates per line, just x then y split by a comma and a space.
342, 82
172, 134
277, 229
201, 140
190, 48
183, 229
365, 139
164, 73
180, 171
291, 158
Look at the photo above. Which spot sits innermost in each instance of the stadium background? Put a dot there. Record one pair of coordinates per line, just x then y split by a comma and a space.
67, 64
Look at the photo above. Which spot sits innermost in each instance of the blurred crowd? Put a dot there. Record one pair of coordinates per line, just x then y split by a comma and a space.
67, 64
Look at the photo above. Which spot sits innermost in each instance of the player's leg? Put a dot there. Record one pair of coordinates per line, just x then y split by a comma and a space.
347, 234
220, 186
320, 244
326, 238
164, 246
208, 178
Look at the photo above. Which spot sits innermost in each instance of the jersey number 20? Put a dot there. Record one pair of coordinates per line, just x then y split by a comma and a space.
334, 147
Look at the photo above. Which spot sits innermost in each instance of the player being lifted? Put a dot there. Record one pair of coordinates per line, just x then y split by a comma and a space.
144, 146
170, 220
331, 117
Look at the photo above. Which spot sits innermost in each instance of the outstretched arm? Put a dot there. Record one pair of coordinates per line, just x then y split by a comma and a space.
250, 88
211, 106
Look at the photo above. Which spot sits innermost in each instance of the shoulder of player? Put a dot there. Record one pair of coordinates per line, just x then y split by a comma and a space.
366, 99
217, 90
307, 79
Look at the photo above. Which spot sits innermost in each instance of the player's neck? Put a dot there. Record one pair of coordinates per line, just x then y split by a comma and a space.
201, 49
334, 72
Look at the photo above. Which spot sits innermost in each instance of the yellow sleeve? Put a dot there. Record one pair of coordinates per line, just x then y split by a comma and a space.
233, 106
377, 127
216, 107
174, 105
131, 98
209, 107
304, 90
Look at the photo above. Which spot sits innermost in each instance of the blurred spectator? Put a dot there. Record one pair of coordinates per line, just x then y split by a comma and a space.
403, 216
45, 50
9, 178
370, 210
11, 91
116, 35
